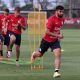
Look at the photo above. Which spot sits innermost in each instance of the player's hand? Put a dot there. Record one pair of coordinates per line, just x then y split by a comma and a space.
19, 22
60, 36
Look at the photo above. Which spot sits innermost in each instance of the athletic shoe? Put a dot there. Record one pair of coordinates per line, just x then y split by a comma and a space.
8, 55
56, 74
17, 63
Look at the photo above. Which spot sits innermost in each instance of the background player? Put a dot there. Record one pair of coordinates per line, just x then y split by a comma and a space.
17, 23
51, 39
4, 27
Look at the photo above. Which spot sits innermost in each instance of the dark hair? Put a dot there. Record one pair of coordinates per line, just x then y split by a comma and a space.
6, 10
17, 9
59, 7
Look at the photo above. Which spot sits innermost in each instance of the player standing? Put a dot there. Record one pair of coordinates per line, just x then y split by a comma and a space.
17, 23
51, 39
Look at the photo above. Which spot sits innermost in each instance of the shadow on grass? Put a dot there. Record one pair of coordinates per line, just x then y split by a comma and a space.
58, 78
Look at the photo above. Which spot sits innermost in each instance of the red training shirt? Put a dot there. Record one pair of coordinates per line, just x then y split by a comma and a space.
15, 21
54, 24
3, 19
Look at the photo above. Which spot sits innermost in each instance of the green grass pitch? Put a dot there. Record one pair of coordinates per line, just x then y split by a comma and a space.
70, 67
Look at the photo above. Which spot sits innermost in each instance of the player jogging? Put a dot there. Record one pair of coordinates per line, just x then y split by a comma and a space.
17, 23
4, 26
51, 39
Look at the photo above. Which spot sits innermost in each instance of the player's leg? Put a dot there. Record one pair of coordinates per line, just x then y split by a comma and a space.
57, 62
43, 48
11, 43
6, 43
57, 55
1, 45
17, 46
8, 51
34, 55
17, 54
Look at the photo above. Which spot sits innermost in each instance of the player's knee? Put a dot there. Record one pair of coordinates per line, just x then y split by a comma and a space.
57, 52
39, 54
12, 37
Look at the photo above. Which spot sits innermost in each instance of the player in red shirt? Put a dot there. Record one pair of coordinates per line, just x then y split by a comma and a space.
4, 25
17, 23
51, 39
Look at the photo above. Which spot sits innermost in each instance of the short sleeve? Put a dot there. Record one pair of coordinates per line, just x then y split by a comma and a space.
50, 23
24, 22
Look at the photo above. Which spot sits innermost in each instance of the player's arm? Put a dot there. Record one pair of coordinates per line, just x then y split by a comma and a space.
23, 24
60, 36
50, 25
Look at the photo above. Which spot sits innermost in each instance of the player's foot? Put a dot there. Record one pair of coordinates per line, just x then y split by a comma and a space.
17, 63
8, 55
56, 74
32, 57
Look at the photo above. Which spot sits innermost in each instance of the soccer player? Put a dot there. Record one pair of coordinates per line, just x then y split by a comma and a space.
4, 25
51, 39
17, 23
